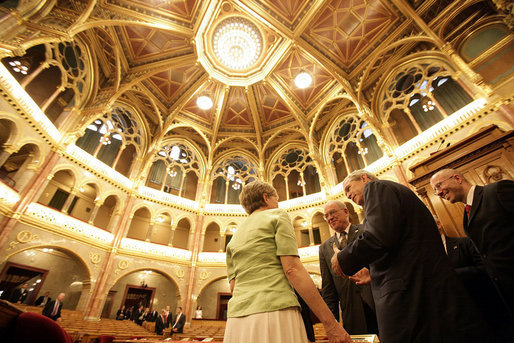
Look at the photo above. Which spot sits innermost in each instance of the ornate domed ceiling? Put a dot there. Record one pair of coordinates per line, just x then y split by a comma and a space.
160, 56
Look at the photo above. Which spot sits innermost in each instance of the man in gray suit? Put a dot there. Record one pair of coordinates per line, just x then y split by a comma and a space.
356, 301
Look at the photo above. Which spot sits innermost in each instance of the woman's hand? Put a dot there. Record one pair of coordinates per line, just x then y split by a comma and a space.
336, 333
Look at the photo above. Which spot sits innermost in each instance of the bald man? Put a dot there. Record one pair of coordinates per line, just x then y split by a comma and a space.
489, 222
53, 308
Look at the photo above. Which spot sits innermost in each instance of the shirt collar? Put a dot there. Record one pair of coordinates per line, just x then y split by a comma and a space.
347, 230
471, 193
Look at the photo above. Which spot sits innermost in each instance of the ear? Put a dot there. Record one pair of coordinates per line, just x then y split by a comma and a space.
364, 178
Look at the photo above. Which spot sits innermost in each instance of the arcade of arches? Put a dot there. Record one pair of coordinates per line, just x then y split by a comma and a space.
128, 128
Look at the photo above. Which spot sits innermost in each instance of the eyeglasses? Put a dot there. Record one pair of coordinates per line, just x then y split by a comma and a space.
437, 186
331, 213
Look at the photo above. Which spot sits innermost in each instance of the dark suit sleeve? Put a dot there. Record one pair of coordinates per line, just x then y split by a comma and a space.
473, 266
48, 308
328, 286
506, 195
181, 322
382, 229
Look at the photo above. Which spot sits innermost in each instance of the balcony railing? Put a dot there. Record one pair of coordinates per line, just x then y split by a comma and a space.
67, 224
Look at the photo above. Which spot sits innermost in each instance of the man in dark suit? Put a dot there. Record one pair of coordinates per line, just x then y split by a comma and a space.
468, 265
418, 297
20, 294
489, 222
161, 322
356, 301
180, 321
53, 308
43, 300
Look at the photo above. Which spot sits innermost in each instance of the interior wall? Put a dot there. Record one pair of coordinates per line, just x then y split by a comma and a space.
166, 292
208, 298
64, 270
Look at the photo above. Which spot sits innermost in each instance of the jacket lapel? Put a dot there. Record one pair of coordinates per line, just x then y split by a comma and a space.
477, 200
336, 241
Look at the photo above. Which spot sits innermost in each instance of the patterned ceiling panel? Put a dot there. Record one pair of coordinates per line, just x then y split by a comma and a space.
291, 66
147, 44
212, 90
272, 108
237, 111
345, 29
289, 10
183, 10
170, 83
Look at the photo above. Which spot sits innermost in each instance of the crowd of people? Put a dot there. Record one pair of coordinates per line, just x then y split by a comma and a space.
397, 274
163, 320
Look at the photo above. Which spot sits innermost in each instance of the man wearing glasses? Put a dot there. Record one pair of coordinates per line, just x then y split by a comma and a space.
489, 222
418, 297
356, 301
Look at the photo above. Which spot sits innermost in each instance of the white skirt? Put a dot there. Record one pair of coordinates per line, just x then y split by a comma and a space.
283, 326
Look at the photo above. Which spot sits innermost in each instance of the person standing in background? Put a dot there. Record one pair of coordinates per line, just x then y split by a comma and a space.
356, 301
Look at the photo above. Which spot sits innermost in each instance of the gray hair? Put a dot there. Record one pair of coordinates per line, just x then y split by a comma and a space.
356, 175
339, 203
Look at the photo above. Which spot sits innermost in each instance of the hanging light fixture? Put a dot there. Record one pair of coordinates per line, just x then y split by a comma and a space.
204, 102
105, 140
237, 43
427, 104
21, 65
303, 80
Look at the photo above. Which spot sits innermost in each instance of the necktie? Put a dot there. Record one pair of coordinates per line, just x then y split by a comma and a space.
468, 210
56, 306
342, 239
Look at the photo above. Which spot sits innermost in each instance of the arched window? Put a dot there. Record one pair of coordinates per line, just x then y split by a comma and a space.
57, 193
112, 136
419, 96
352, 146
211, 241
228, 177
175, 170
294, 174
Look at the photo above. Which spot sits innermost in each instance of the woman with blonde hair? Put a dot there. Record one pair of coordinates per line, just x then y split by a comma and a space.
263, 267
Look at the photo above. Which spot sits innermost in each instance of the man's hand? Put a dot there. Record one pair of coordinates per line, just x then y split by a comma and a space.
362, 277
335, 263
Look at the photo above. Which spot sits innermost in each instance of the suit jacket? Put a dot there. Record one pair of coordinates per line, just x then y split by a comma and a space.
339, 291
180, 324
468, 265
40, 300
19, 295
418, 297
491, 227
49, 307
160, 325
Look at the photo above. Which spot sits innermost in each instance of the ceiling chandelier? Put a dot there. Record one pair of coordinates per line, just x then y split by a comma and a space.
237, 43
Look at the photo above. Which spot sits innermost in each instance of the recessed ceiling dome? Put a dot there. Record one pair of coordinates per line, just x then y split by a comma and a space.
237, 43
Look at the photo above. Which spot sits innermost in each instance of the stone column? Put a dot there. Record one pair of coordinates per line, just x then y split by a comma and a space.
188, 303
113, 222
28, 195
8, 150
100, 291
68, 202
311, 235
94, 212
150, 229
49, 101
172, 233
19, 173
